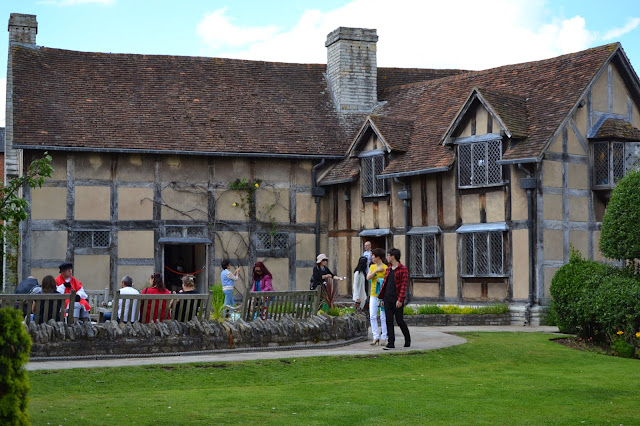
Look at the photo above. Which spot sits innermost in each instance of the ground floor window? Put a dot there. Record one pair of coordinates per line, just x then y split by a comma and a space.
482, 254
424, 255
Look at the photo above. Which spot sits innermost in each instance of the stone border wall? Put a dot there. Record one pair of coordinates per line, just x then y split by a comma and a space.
56, 339
457, 319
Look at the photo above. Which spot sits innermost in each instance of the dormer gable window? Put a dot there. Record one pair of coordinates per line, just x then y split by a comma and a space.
478, 162
372, 163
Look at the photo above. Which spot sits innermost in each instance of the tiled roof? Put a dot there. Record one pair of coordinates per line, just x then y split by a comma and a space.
511, 109
390, 77
170, 103
551, 88
617, 129
346, 170
396, 132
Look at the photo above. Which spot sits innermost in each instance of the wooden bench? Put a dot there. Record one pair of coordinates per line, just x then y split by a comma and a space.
96, 298
53, 305
161, 307
275, 304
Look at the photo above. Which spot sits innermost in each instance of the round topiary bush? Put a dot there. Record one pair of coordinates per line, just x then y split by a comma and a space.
573, 288
15, 346
620, 238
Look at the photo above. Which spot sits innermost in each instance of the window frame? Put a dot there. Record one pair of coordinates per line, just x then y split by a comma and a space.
271, 250
488, 164
76, 238
375, 167
422, 236
487, 237
612, 159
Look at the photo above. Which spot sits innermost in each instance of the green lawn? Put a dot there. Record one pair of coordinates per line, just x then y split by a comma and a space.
496, 378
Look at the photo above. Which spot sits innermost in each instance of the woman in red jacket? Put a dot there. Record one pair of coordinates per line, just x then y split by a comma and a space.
157, 287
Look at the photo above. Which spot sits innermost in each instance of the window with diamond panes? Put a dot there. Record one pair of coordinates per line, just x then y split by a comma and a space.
93, 239
424, 256
482, 254
272, 242
478, 164
612, 160
370, 168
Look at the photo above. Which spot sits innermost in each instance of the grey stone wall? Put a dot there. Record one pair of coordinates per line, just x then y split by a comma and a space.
56, 339
457, 319
352, 70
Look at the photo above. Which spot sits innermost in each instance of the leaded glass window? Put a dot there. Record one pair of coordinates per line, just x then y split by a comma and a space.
478, 164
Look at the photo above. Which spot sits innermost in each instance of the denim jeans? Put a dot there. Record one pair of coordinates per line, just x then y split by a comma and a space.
228, 297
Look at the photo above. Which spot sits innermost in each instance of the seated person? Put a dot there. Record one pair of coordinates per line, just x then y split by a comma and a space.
188, 287
67, 282
52, 311
126, 287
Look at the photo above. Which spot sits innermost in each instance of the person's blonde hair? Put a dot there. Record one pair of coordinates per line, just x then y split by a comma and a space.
187, 281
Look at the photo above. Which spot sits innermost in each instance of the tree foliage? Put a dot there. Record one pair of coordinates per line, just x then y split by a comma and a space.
14, 208
620, 238
15, 345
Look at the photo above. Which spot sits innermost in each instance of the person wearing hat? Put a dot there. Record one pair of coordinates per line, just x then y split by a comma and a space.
321, 273
66, 282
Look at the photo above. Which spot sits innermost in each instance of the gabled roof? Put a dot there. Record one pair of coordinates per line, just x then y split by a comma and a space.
507, 110
614, 129
94, 101
550, 90
343, 171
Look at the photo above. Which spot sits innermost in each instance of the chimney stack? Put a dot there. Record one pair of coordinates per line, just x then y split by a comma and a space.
23, 28
351, 68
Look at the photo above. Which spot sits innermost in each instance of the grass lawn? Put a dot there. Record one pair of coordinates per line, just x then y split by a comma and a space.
496, 378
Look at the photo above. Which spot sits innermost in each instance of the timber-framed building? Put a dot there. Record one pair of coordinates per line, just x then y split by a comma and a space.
484, 179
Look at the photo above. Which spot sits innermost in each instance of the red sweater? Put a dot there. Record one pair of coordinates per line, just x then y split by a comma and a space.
156, 305
402, 280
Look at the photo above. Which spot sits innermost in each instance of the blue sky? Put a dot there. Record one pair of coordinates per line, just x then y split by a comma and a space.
467, 34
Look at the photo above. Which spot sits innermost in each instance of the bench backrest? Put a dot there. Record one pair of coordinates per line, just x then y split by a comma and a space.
275, 304
160, 307
48, 305
97, 297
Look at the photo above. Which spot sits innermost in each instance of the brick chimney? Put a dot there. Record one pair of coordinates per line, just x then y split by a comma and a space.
22, 29
351, 68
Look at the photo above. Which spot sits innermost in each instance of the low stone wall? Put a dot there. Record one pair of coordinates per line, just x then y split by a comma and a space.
56, 339
457, 319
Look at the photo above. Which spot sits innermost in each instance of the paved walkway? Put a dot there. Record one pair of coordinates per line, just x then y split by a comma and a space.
422, 338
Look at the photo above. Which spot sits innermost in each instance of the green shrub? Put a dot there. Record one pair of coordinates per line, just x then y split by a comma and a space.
430, 310
15, 345
408, 310
573, 288
620, 238
622, 347
452, 309
217, 302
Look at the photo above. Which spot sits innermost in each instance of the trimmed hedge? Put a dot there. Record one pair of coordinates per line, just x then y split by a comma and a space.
15, 345
620, 238
591, 299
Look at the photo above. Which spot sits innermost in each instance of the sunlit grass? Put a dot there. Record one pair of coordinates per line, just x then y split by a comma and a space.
496, 378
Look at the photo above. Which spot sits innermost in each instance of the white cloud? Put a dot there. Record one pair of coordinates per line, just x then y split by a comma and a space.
218, 30
632, 24
3, 99
453, 34
74, 2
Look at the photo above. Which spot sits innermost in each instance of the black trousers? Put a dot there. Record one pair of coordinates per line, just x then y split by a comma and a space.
392, 312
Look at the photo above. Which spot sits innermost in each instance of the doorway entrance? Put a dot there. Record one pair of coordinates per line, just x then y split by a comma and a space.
376, 242
180, 259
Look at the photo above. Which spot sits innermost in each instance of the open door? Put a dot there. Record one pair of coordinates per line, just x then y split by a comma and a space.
185, 259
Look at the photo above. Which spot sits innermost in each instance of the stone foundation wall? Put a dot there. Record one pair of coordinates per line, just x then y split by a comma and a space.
56, 339
457, 319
